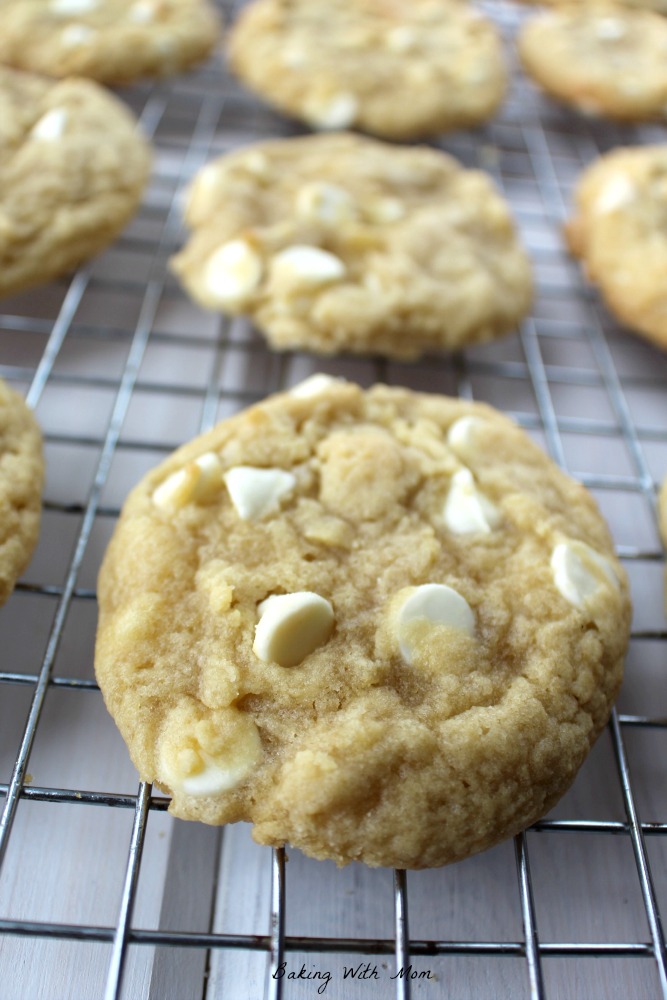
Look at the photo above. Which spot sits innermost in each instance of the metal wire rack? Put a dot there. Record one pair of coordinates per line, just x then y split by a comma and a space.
102, 894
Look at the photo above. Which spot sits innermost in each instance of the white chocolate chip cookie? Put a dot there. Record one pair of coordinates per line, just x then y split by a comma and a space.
72, 172
323, 644
399, 69
619, 230
21, 481
603, 59
342, 243
113, 41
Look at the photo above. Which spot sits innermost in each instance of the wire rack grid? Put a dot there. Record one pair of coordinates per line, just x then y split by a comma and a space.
102, 894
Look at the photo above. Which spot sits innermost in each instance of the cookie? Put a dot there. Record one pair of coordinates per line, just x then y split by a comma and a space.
339, 242
72, 172
113, 41
602, 59
21, 481
399, 69
380, 625
619, 230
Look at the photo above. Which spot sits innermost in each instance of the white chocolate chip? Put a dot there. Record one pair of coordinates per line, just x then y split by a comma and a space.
436, 604
66, 8
579, 571
467, 510
323, 202
314, 385
256, 492
50, 126
464, 434
233, 272
304, 266
617, 192
610, 29
75, 35
198, 770
338, 111
198, 480
211, 779
291, 626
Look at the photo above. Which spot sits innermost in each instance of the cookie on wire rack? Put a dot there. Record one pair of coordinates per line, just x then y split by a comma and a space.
601, 58
21, 482
380, 625
400, 69
113, 41
73, 167
619, 231
339, 242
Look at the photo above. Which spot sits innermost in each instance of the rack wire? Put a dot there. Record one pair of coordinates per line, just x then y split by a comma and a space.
102, 894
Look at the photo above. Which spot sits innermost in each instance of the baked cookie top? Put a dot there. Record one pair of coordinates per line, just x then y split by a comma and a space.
603, 59
72, 172
619, 230
396, 68
381, 626
21, 481
343, 243
113, 41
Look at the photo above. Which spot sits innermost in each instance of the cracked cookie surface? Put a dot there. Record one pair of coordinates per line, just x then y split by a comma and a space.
603, 59
380, 625
400, 69
342, 243
72, 172
21, 481
619, 231
113, 41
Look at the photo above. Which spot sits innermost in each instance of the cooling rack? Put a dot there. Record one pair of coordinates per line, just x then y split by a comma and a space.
102, 894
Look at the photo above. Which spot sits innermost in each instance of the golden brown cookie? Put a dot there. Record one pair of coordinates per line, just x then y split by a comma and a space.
72, 172
343, 243
399, 69
381, 626
619, 230
602, 58
113, 41
21, 481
